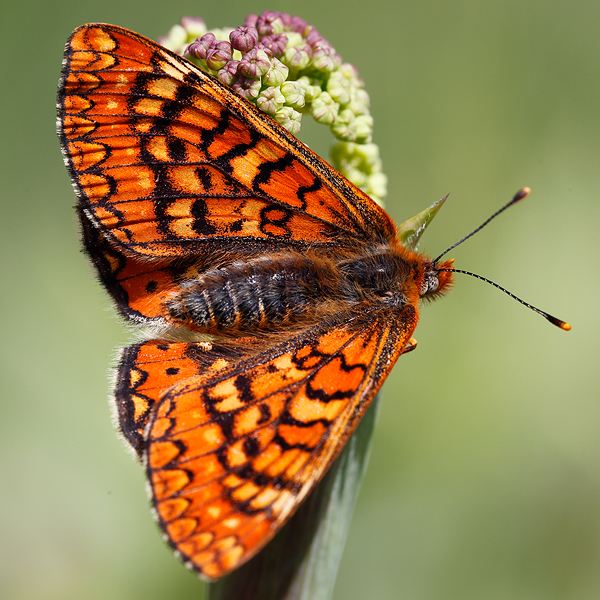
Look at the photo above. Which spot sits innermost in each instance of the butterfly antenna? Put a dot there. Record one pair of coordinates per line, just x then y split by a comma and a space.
520, 195
562, 324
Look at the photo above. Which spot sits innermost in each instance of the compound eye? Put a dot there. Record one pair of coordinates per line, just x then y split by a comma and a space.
430, 284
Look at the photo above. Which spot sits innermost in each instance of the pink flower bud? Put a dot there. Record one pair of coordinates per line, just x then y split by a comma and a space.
299, 25
218, 56
244, 38
246, 88
254, 64
276, 43
199, 48
229, 73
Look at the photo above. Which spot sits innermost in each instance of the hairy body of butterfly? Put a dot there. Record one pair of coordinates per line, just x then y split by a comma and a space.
263, 294
276, 290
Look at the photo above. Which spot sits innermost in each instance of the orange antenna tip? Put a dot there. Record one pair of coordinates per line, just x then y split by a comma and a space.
558, 322
521, 194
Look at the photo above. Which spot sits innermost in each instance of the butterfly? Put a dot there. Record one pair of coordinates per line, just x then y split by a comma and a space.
275, 293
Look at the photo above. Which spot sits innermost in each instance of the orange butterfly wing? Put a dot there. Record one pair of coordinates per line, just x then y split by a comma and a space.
138, 287
147, 370
233, 446
167, 161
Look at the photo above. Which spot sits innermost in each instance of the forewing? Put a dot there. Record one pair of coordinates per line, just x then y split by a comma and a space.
166, 161
232, 451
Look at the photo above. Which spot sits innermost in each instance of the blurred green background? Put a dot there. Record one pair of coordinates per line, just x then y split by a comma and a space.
484, 480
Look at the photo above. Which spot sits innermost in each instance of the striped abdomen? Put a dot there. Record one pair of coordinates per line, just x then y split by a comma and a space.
261, 294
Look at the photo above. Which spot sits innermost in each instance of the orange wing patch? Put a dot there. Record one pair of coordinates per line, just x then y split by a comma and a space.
167, 160
139, 288
146, 372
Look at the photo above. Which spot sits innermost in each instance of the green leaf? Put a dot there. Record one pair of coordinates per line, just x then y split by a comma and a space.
410, 231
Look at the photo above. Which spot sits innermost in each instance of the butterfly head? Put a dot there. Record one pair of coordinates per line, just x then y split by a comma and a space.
437, 279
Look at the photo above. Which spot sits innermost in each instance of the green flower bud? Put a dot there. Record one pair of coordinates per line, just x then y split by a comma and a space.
353, 128
322, 59
175, 39
341, 126
361, 129
254, 64
222, 34
357, 177
377, 187
289, 118
339, 87
325, 109
359, 102
195, 27
294, 39
293, 93
361, 164
311, 91
297, 57
277, 74
247, 88
270, 100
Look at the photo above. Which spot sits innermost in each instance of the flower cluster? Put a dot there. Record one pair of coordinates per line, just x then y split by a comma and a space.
287, 69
